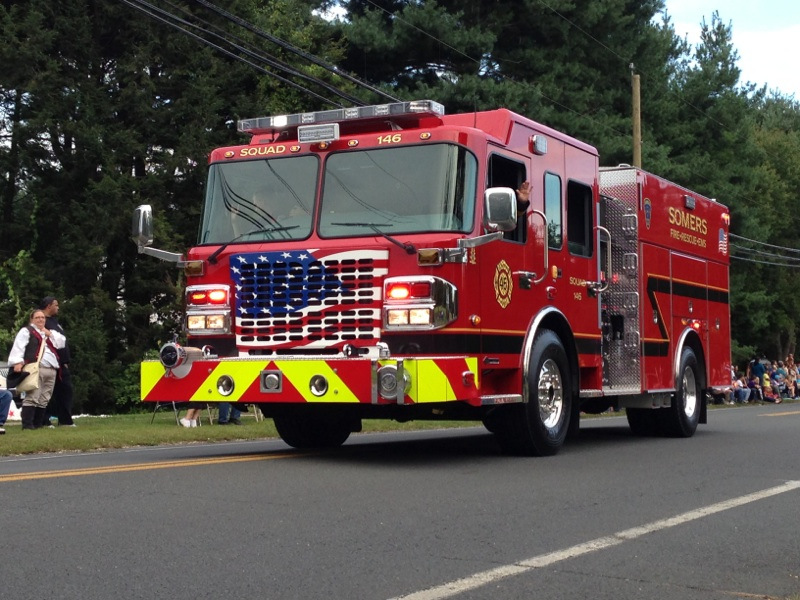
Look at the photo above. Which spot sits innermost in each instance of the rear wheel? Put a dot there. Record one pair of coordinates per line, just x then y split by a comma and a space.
314, 431
539, 426
682, 417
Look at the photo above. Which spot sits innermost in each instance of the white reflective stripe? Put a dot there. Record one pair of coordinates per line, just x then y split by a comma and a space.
477, 580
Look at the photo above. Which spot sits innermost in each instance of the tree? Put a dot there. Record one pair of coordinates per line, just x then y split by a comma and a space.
103, 109
565, 64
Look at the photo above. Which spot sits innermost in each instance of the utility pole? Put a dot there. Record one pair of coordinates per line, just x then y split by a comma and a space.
637, 119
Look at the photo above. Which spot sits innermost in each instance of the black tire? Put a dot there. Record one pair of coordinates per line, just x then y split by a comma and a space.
574, 428
492, 421
312, 431
642, 421
682, 417
539, 426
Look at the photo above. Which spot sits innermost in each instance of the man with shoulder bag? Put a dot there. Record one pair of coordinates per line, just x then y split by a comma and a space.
35, 345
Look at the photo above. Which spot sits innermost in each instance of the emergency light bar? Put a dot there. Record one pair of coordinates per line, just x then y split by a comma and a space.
395, 109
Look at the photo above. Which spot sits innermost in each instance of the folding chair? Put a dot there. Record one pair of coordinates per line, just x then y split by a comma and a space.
253, 411
177, 407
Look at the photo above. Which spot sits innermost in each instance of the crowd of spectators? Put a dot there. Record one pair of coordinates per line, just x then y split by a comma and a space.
764, 381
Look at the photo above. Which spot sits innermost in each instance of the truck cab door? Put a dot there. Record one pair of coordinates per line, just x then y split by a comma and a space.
498, 298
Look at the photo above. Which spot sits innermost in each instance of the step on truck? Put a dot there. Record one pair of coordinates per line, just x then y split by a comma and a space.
377, 263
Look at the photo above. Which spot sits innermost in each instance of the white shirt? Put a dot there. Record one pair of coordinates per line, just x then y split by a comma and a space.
49, 358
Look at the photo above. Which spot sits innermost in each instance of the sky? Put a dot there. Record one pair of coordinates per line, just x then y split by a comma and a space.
766, 34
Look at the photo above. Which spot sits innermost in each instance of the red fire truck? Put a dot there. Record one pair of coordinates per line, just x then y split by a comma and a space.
372, 262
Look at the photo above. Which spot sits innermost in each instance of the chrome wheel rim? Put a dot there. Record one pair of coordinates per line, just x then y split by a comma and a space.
550, 394
690, 398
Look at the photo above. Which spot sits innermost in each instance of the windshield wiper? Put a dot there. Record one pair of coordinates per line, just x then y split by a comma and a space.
408, 247
213, 258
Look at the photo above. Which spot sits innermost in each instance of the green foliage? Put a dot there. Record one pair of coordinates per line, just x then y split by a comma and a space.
103, 108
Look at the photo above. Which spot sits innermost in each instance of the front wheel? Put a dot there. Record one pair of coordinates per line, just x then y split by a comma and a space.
539, 426
642, 421
313, 431
682, 417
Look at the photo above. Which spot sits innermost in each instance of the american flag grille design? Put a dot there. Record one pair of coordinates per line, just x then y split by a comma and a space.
308, 298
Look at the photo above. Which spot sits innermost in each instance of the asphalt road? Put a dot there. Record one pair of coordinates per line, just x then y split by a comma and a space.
422, 516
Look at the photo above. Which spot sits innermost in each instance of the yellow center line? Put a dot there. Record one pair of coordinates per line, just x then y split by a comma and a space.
193, 462
782, 414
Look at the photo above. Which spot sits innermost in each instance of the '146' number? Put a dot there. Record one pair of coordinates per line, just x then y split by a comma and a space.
393, 138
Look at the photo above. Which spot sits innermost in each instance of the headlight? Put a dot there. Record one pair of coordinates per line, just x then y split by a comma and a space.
419, 316
397, 316
208, 323
419, 302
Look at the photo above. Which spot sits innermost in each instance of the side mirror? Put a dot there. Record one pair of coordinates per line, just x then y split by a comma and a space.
142, 226
142, 236
500, 209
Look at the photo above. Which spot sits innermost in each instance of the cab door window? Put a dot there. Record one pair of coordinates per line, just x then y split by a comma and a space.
552, 210
505, 172
579, 219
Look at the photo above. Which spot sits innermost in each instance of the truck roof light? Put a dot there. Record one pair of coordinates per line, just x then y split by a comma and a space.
395, 109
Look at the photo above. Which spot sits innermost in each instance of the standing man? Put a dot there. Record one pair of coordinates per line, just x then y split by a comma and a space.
62, 394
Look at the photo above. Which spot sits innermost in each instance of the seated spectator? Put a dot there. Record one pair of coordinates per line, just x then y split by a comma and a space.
228, 414
192, 416
787, 387
5, 405
741, 391
778, 384
727, 395
792, 376
755, 389
771, 394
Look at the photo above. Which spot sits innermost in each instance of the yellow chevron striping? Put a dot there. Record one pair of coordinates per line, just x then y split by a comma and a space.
151, 373
300, 373
244, 373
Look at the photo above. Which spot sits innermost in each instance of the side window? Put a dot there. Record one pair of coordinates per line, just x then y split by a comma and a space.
552, 210
504, 172
579, 218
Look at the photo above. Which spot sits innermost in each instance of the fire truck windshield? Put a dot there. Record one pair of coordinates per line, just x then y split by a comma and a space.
409, 189
259, 200
413, 188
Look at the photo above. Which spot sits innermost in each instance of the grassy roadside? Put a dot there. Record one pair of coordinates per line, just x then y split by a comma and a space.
124, 431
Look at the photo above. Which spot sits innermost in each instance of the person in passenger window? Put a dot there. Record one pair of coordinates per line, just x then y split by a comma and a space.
523, 193
523, 198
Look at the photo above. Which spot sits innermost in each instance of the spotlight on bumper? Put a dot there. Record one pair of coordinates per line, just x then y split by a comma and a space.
318, 385
225, 385
388, 386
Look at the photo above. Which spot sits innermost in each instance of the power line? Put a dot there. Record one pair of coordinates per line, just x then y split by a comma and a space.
503, 76
739, 237
287, 46
151, 11
242, 46
766, 262
750, 251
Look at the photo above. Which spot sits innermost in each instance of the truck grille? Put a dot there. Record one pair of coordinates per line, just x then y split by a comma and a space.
307, 299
